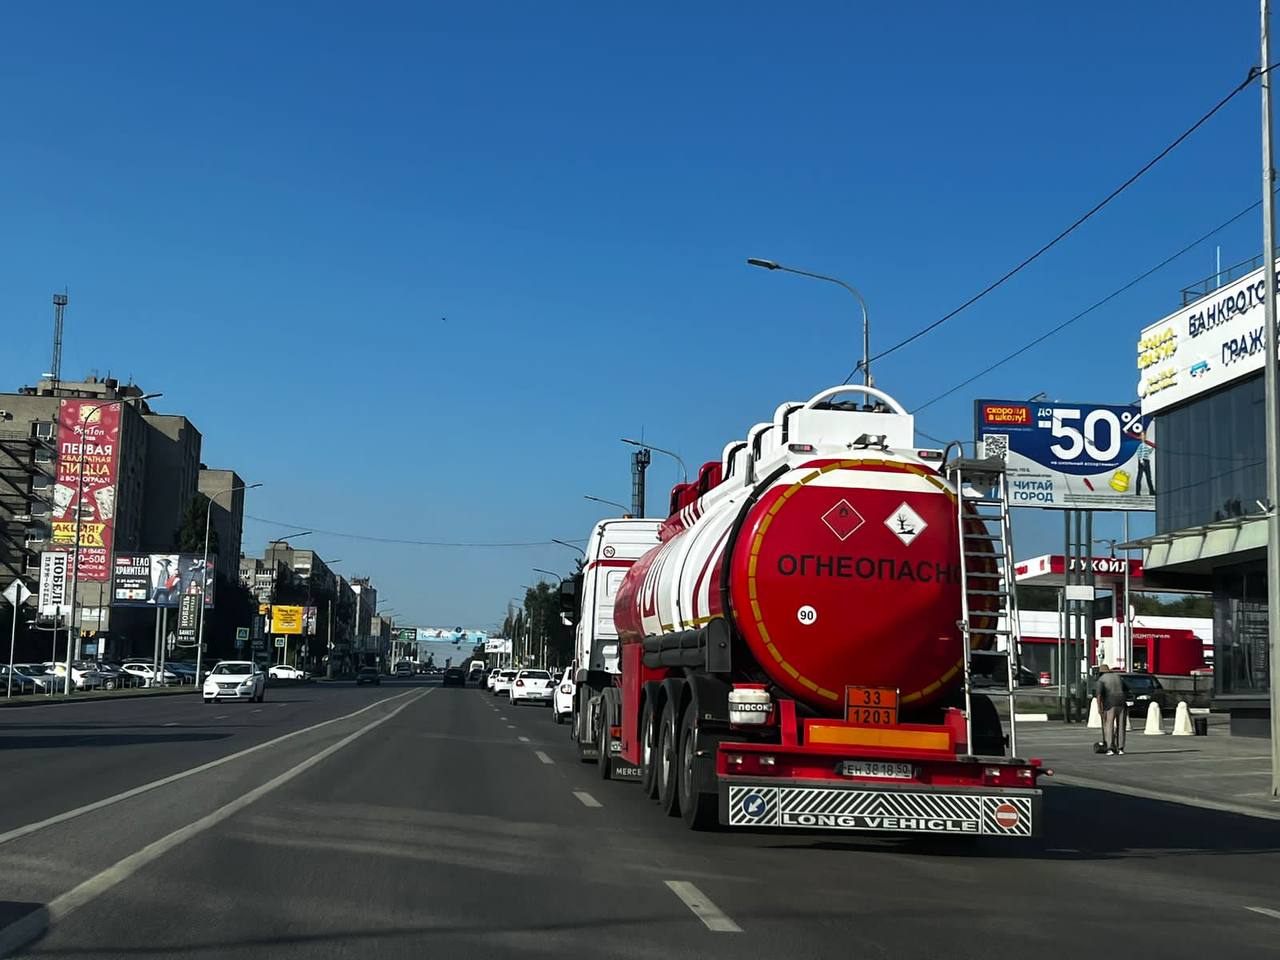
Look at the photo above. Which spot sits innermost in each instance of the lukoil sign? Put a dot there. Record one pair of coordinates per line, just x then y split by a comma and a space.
1203, 346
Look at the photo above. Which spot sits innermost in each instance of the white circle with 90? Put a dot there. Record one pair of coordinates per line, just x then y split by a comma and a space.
807, 615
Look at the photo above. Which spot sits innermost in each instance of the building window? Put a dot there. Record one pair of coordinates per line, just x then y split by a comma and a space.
45, 430
1241, 656
1210, 458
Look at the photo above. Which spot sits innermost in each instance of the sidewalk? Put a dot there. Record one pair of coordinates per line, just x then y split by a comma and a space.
1217, 772
88, 696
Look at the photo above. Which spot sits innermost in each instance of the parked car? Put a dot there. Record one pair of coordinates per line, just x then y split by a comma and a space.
502, 683
149, 675
562, 697
184, 672
20, 682
1142, 689
45, 681
113, 676
236, 680
531, 686
454, 677
285, 671
403, 669
368, 675
83, 674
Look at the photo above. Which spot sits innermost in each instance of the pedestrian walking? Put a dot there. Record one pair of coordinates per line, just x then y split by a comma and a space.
1114, 707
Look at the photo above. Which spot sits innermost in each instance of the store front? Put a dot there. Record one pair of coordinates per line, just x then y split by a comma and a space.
1202, 380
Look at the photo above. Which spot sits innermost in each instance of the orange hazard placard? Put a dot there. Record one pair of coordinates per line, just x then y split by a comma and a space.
871, 706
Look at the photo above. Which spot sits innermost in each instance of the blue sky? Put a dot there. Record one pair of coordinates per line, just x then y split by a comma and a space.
417, 267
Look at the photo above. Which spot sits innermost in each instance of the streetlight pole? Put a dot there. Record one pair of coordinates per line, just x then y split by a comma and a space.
571, 546
73, 635
866, 320
649, 446
204, 572
1270, 386
613, 503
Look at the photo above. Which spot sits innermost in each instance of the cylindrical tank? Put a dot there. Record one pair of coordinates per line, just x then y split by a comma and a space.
834, 571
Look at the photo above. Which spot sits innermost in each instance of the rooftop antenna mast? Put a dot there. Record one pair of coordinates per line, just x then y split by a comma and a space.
60, 301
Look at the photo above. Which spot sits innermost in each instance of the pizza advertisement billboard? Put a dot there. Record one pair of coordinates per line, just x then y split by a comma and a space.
84, 492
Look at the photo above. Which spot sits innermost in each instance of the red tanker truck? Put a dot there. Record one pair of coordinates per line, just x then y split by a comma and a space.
796, 645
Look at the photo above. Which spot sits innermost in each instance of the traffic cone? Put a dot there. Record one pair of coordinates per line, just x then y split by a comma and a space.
1095, 716
1155, 727
1182, 721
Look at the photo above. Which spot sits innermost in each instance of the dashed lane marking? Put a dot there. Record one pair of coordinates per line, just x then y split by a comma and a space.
542, 756
171, 723
587, 799
222, 716
715, 919
523, 739
1266, 912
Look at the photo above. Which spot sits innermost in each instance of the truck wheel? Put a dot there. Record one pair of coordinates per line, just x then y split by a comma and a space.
700, 810
988, 734
648, 751
668, 762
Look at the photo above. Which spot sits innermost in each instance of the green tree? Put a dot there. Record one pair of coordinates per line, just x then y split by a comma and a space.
190, 534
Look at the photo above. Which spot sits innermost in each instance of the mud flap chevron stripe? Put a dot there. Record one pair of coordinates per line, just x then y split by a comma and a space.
894, 811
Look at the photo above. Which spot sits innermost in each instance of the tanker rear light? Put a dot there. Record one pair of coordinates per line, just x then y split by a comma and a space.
1008, 776
929, 454
801, 447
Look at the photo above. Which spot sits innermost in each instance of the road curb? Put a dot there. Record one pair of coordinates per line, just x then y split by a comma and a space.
37, 700
1203, 803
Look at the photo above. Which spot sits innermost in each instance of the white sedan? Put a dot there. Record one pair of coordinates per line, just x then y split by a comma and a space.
531, 686
283, 671
562, 698
235, 680
502, 680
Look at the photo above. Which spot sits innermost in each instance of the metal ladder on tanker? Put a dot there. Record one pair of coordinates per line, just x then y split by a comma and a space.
987, 595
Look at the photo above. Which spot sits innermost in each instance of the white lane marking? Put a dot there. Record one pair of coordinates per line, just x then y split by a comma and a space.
256, 710
542, 756
222, 716
31, 828
34, 924
587, 799
1266, 912
282, 704
712, 916
511, 726
523, 739
502, 718
1072, 780
172, 723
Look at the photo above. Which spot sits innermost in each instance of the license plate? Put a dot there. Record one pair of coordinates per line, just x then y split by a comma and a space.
875, 768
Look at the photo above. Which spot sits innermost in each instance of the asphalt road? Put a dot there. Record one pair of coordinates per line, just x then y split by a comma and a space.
443, 822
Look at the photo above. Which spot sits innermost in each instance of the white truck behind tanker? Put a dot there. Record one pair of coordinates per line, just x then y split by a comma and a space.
792, 646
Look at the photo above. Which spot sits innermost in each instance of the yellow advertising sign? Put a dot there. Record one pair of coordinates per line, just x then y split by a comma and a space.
91, 534
286, 620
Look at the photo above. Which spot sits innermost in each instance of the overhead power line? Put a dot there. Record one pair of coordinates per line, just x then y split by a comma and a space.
1088, 310
1254, 73
409, 541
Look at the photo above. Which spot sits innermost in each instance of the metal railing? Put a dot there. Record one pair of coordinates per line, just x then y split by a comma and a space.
1218, 280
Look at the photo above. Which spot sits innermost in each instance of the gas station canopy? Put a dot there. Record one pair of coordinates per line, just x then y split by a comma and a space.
1050, 570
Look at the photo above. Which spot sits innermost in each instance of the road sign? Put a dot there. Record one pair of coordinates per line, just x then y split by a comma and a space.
242, 634
280, 641
16, 593
239, 644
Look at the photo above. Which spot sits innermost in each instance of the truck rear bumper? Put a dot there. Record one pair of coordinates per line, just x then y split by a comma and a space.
879, 808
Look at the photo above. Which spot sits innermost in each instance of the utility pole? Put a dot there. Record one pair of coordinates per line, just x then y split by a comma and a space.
1272, 421
639, 463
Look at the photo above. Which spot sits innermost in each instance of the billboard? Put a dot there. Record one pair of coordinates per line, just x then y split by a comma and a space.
453, 635
188, 617
54, 572
160, 579
407, 634
497, 645
286, 620
1070, 456
1206, 345
85, 483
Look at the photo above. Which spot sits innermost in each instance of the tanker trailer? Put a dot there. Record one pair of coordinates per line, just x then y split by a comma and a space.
796, 650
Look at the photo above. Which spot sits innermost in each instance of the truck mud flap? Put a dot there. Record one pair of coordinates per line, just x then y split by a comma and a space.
620, 769
995, 813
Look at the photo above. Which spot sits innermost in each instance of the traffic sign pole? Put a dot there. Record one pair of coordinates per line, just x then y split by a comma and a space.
16, 594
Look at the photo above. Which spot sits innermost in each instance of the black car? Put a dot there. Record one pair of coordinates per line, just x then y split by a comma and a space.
368, 675
454, 677
1141, 689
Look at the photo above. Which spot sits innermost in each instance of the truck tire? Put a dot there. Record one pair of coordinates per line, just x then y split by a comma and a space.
648, 751
701, 811
988, 734
603, 761
668, 762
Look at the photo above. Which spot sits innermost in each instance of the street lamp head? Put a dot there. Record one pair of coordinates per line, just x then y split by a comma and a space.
767, 264
150, 396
